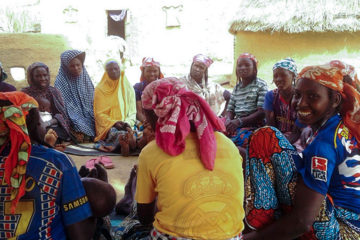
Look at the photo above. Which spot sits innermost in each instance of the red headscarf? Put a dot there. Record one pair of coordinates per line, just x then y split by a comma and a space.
203, 59
248, 55
175, 106
331, 76
13, 128
149, 62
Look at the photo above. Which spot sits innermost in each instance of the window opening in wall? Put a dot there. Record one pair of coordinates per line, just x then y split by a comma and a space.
116, 22
17, 73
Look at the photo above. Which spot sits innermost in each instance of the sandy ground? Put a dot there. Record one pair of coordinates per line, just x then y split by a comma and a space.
118, 176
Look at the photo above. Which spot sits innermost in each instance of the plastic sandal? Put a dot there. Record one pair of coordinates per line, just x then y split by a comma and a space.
106, 162
90, 164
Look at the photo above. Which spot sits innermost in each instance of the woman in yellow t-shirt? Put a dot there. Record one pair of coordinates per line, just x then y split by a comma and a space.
192, 169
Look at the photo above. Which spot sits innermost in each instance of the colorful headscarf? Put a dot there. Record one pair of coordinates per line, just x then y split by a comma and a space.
78, 93
248, 55
3, 73
149, 62
203, 59
287, 64
13, 128
331, 75
113, 101
175, 106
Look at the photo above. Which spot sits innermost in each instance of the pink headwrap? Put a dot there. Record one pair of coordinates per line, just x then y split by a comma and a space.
203, 59
331, 75
149, 62
248, 55
175, 106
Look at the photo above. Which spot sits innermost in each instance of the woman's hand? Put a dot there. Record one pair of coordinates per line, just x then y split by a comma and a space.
232, 125
120, 125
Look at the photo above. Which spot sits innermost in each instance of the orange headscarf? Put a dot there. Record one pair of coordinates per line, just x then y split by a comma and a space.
13, 128
331, 75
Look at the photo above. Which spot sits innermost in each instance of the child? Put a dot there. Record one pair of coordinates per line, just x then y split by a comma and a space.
245, 109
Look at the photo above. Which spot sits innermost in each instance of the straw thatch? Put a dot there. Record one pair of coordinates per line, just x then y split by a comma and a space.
295, 16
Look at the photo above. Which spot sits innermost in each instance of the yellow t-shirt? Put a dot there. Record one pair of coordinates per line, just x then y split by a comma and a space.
193, 202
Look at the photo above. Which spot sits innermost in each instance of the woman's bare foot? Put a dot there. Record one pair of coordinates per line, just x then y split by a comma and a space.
124, 144
51, 137
131, 138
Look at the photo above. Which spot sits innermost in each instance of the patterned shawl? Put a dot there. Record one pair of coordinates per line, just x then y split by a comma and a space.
114, 101
331, 75
78, 94
50, 93
13, 129
175, 106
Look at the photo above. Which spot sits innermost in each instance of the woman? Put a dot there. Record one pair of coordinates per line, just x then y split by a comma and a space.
279, 112
318, 191
115, 110
202, 201
38, 78
76, 88
45, 200
5, 87
197, 81
150, 71
245, 109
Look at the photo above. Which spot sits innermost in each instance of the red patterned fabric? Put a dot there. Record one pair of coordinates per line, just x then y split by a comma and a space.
331, 75
13, 128
175, 106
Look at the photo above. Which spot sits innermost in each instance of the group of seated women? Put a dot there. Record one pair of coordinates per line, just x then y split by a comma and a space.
192, 182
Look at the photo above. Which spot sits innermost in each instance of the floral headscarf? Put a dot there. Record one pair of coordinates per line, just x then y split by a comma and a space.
287, 64
203, 59
331, 75
175, 106
149, 62
13, 129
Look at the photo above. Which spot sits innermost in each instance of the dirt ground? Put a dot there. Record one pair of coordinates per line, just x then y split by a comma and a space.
118, 176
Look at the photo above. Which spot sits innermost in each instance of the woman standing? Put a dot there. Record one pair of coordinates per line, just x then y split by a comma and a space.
77, 89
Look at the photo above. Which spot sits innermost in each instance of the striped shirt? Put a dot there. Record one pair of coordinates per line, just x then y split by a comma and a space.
246, 100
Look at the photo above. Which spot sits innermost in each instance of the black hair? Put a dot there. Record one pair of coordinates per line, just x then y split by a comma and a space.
253, 76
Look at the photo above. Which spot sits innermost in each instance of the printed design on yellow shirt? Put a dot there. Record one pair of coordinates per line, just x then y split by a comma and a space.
212, 206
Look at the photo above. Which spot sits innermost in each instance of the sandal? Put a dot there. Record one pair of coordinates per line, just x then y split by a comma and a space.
106, 162
90, 164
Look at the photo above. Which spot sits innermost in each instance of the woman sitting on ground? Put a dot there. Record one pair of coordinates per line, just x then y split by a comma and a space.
77, 90
245, 110
5, 87
115, 111
150, 71
51, 104
197, 81
41, 185
279, 112
317, 194
203, 200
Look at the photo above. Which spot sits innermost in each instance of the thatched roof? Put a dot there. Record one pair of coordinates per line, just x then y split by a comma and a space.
295, 16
